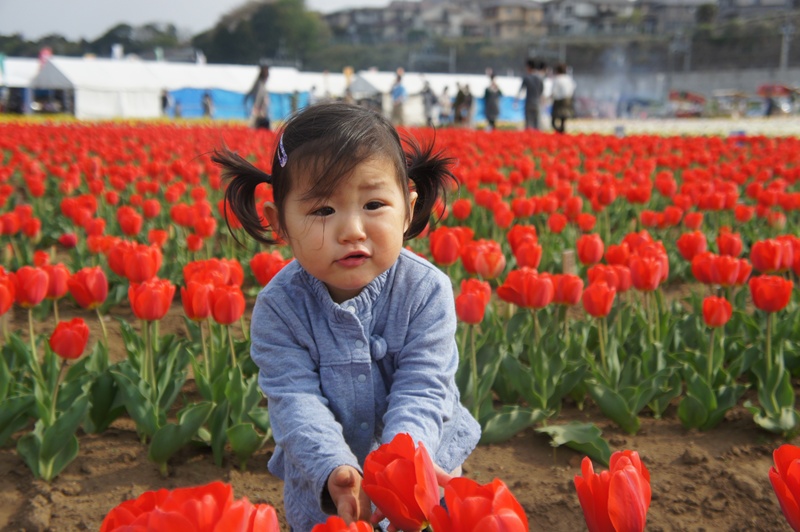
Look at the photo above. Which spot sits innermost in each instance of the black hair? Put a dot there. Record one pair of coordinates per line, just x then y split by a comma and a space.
326, 142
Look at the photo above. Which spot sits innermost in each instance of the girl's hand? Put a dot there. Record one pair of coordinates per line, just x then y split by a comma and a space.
344, 486
442, 478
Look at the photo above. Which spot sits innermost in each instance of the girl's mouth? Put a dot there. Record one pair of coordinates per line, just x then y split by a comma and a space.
353, 259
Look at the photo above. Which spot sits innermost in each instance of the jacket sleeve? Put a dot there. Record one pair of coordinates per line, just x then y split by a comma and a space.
420, 399
302, 424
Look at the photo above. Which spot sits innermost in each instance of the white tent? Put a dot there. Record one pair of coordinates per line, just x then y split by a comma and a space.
104, 88
17, 72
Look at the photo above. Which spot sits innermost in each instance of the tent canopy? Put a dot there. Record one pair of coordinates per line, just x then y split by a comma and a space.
18, 72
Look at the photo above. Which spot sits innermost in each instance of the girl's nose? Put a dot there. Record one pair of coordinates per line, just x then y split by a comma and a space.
352, 229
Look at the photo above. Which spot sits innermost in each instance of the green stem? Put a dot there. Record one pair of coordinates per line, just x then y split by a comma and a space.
103, 327
601, 340
206, 361
769, 343
37, 369
230, 344
245, 333
474, 368
55, 311
536, 332
710, 362
54, 409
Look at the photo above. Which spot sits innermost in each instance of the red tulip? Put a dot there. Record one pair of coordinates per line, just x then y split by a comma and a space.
142, 262
716, 311
586, 222
227, 304
41, 258
8, 291
520, 234
624, 278
194, 242
266, 265
68, 240
482, 288
766, 255
645, 273
157, 237
556, 222
196, 300
616, 500
151, 299
401, 481
490, 263
598, 299
618, 254
691, 244
693, 220
117, 260
590, 248
58, 275
31, 286
601, 272
724, 270
729, 243
208, 507
567, 289
445, 246
89, 287
130, 222
785, 479
528, 254
337, 524
69, 338
475, 508
527, 288
770, 293
461, 209
470, 307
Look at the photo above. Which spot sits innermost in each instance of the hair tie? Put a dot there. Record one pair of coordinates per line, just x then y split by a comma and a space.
282, 157
268, 179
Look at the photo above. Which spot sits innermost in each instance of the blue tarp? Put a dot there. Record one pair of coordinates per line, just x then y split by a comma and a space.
230, 105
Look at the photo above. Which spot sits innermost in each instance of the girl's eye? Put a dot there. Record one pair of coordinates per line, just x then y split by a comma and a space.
373, 205
323, 211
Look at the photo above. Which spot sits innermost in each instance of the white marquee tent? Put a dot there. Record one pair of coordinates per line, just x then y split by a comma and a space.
127, 88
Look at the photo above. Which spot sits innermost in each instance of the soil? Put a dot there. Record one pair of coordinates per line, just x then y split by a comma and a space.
701, 481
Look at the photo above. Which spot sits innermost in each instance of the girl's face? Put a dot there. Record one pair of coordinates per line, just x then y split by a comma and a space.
349, 239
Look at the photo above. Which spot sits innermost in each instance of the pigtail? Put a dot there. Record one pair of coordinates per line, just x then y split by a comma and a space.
242, 178
432, 176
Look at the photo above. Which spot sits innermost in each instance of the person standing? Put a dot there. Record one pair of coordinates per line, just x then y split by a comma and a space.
533, 85
466, 108
208, 105
399, 97
491, 102
259, 114
458, 105
445, 108
429, 103
563, 91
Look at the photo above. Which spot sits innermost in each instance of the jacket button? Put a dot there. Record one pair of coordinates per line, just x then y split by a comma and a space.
362, 378
359, 344
364, 425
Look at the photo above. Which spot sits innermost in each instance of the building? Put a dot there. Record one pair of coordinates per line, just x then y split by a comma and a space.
513, 19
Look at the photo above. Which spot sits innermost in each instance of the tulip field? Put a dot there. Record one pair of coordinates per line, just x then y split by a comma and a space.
634, 293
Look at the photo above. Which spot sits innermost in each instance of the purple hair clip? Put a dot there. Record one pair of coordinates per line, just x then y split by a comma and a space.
282, 157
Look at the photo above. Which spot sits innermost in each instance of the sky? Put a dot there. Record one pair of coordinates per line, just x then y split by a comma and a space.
89, 19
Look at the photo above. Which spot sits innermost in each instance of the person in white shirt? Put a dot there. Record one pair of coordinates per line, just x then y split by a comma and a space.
563, 91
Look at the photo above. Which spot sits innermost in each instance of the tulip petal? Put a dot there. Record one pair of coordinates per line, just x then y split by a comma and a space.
628, 500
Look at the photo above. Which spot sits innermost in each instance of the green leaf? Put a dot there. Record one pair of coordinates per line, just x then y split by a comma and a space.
65, 455
14, 414
244, 442
692, 413
501, 424
137, 403
218, 425
65, 426
171, 437
582, 437
105, 409
615, 407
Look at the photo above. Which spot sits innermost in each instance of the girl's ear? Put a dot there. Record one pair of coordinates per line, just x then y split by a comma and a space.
412, 201
271, 214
